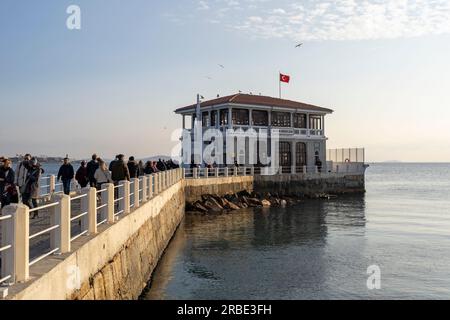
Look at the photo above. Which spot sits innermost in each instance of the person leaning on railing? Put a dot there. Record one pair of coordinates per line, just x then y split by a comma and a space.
119, 170
8, 191
102, 175
31, 190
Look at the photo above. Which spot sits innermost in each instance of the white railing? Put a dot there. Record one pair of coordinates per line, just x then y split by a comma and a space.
347, 155
97, 208
6, 250
329, 168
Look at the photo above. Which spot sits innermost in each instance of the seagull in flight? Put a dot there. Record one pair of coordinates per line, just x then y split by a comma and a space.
299, 45
208, 77
222, 66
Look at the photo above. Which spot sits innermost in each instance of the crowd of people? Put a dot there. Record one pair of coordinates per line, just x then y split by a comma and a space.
22, 184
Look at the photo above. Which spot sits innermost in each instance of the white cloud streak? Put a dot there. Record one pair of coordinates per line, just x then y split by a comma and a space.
332, 19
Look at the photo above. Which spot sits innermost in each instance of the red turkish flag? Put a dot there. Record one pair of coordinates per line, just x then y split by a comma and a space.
285, 78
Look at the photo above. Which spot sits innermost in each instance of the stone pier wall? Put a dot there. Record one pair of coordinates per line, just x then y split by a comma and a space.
114, 264
195, 188
311, 184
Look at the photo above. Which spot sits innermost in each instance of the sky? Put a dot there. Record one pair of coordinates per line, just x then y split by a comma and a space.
112, 86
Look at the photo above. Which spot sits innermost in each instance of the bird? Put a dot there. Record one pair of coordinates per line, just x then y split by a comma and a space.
209, 78
299, 45
222, 66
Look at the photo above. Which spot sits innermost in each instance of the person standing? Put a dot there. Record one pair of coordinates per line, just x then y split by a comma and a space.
81, 175
66, 174
119, 170
22, 171
141, 168
148, 168
31, 190
91, 167
133, 168
102, 175
8, 193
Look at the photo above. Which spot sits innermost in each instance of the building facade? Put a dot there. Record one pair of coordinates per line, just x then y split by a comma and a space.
301, 142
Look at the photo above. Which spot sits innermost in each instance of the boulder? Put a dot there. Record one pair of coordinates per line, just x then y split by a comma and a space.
230, 205
213, 205
266, 203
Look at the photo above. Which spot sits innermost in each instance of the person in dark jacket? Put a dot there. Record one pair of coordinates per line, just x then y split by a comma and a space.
161, 165
8, 191
91, 167
133, 168
81, 176
66, 174
119, 170
148, 168
112, 163
31, 191
141, 168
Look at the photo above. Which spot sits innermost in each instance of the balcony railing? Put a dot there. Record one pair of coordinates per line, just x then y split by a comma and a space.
284, 131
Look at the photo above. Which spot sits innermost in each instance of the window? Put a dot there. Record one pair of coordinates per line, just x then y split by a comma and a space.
260, 118
223, 117
300, 121
285, 154
300, 154
315, 122
205, 117
241, 117
213, 118
281, 119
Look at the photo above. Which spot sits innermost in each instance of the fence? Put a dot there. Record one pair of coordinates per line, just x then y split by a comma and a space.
69, 218
352, 155
330, 168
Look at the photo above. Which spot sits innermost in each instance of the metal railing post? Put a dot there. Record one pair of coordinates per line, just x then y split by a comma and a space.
144, 189
91, 205
156, 183
183, 173
226, 172
194, 173
235, 172
109, 200
206, 173
7, 238
136, 192
52, 184
60, 237
252, 171
125, 194
150, 186
21, 243
217, 172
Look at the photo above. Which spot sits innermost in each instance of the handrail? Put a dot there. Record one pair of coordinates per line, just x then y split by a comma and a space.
54, 204
40, 233
124, 196
43, 257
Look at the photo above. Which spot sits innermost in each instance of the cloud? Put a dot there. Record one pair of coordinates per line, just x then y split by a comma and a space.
332, 19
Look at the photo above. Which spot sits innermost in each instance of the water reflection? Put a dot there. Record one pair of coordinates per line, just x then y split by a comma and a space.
251, 254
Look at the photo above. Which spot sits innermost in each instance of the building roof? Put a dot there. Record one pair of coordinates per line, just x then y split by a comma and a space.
257, 100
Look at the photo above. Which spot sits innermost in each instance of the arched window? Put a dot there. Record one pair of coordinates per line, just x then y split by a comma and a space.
285, 154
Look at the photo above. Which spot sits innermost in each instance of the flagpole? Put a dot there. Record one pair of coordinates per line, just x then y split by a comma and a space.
279, 82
